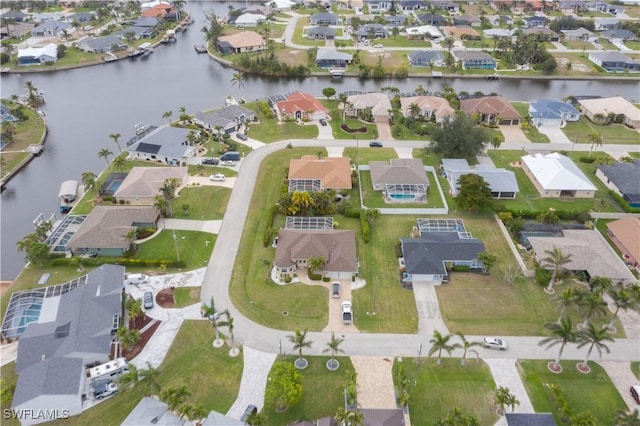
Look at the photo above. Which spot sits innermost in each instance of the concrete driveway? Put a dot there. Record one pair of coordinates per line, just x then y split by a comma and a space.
513, 134
384, 132
324, 132
555, 134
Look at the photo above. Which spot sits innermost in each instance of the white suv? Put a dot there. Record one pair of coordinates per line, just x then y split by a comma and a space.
494, 343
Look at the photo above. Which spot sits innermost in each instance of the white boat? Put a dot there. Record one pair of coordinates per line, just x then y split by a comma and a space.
67, 195
200, 47
230, 100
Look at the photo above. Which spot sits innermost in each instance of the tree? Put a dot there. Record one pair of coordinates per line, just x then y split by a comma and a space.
594, 337
34, 97
284, 387
333, 346
628, 418
488, 261
299, 340
118, 163
115, 137
595, 140
458, 137
238, 79
89, 180
371, 215
455, 417
440, 343
229, 324
168, 115
209, 311
592, 306
301, 203
175, 396
128, 338
561, 334
315, 264
134, 309
183, 114
474, 193
105, 153
168, 188
414, 110
466, 346
449, 42
556, 260
503, 397
36, 251
566, 299
328, 92
162, 206
622, 299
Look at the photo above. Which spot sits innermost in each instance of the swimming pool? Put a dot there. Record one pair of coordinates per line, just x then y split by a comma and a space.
402, 196
113, 186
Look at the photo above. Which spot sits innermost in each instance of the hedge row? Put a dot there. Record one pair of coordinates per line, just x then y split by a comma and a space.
124, 261
352, 213
623, 203
364, 223
579, 216
266, 238
461, 268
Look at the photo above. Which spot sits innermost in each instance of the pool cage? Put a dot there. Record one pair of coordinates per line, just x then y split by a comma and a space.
443, 225
25, 306
405, 193
61, 235
306, 185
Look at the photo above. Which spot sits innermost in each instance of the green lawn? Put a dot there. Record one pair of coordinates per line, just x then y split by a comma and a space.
593, 393
578, 44
205, 203
441, 389
364, 154
8, 378
353, 123
374, 199
635, 368
26, 133
531, 132
192, 247
186, 296
580, 131
314, 403
272, 130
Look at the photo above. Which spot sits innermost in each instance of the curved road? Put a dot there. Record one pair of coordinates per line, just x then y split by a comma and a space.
218, 277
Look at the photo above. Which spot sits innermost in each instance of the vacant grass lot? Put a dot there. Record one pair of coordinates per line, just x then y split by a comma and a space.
363, 155
375, 199
188, 246
271, 131
205, 203
593, 393
441, 389
322, 392
580, 131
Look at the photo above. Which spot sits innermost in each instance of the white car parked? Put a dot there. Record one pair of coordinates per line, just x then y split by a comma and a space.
494, 343
378, 46
218, 177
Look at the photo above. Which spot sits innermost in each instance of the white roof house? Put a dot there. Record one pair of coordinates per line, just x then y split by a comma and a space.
555, 175
249, 20
425, 29
38, 55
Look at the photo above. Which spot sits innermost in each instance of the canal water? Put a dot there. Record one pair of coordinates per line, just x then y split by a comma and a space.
83, 106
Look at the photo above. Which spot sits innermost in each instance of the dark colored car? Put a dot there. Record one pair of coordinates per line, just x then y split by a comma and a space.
635, 393
375, 144
241, 136
323, 122
251, 409
335, 289
211, 161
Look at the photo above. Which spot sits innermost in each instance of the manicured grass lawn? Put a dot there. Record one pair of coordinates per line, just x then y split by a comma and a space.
398, 41
635, 368
271, 131
593, 393
440, 389
26, 133
191, 247
578, 44
364, 154
206, 170
531, 132
8, 378
374, 199
322, 392
205, 203
579, 132
186, 296
353, 123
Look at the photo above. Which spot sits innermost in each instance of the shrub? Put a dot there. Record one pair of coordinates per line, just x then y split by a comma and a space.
363, 129
542, 276
461, 268
326, 279
587, 160
315, 277
124, 261
623, 203
287, 279
268, 230
353, 213
364, 225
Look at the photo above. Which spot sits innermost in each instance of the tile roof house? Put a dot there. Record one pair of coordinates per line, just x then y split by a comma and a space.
337, 247
324, 18
310, 173
104, 231
162, 10
327, 57
542, 33
491, 110
378, 103
584, 245
431, 107
625, 234
614, 61
555, 175
52, 353
475, 60
101, 44
402, 180
551, 113
615, 109
38, 55
580, 34
244, 41
300, 106
503, 183
321, 33
168, 145
142, 184
624, 179
424, 58
228, 119
149, 412
461, 32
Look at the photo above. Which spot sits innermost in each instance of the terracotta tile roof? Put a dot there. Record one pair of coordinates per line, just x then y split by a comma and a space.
338, 247
627, 231
244, 39
439, 105
490, 105
334, 172
145, 182
459, 31
300, 101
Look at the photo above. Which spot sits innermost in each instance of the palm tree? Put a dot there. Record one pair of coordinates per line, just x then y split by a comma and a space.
622, 299
592, 306
299, 342
119, 163
556, 259
134, 309
561, 334
420, 90
449, 42
131, 236
466, 346
315, 264
168, 115
600, 285
503, 396
568, 298
194, 412
175, 396
488, 260
342, 416
105, 153
238, 79
333, 346
628, 418
163, 207
414, 110
128, 338
595, 140
438, 344
595, 338
209, 311
115, 137
229, 324
301, 202
89, 181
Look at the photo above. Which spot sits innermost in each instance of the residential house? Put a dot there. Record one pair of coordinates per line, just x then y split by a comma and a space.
146, 22
491, 110
542, 33
149, 412
38, 55
379, 6
625, 234
432, 19
500, 20
400, 180
327, 57
555, 175
619, 35
101, 44
411, 5
529, 419
336, 247
218, 419
580, 34
425, 58
247, 20
603, 24
447, 5
325, 18
611, 110
281, 5
137, 32
475, 60
16, 30
624, 179
162, 10
614, 61
462, 32
81, 17
604, 7
536, 21
244, 41
75, 328
321, 33
494, 33
377, 104
52, 29
226, 120
104, 231
584, 246
395, 21
168, 145
467, 20
14, 16
142, 184
551, 113
312, 174
371, 31
572, 6
429, 257
46, 16
503, 183
432, 108
370, 417
428, 32
300, 106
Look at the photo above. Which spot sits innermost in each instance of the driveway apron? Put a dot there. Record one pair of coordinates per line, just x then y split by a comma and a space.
255, 372
429, 318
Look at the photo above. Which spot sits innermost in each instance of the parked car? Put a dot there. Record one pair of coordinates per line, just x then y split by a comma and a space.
230, 156
218, 177
103, 389
347, 316
323, 122
241, 136
635, 393
335, 289
375, 144
494, 343
378, 46
211, 161
229, 163
147, 300
251, 409
136, 278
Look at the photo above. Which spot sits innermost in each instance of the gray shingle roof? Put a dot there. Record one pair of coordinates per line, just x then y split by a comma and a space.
151, 411
327, 54
324, 31
226, 116
55, 376
398, 171
102, 43
424, 56
172, 142
427, 255
625, 176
